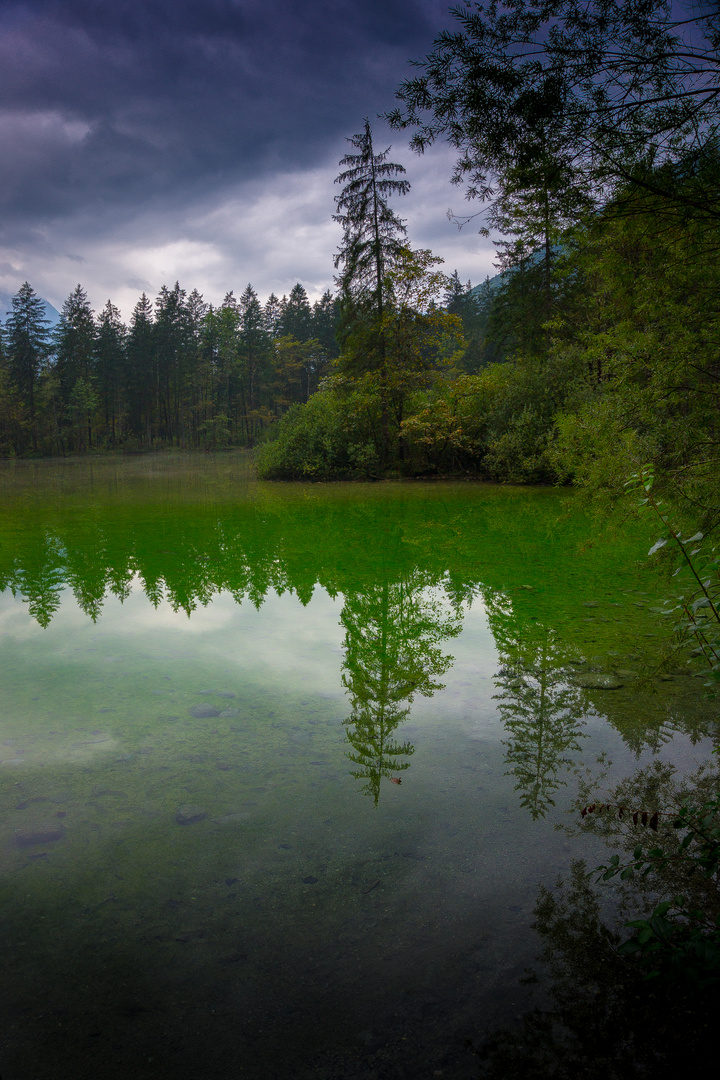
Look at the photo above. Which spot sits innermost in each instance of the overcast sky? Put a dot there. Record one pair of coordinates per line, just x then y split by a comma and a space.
145, 141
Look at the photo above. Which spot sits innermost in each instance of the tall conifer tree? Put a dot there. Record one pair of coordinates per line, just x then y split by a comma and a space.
254, 348
273, 316
75, 341
372, 232
373, 237
297, 315
109, 365
142, 373
27, 347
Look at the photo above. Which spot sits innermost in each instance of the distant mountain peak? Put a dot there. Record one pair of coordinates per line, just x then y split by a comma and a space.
51, 313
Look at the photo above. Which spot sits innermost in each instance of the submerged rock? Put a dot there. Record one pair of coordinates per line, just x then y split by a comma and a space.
597, 681
41, 834
203, 712
189, 815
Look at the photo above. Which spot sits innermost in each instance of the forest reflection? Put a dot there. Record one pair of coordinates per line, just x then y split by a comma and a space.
406, 568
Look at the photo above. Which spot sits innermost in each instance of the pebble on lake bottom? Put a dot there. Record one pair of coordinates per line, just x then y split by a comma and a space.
189, 815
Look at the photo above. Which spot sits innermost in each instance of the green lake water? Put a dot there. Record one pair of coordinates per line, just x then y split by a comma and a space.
281, 765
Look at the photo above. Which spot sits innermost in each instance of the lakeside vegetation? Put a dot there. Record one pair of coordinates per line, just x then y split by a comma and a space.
591, 133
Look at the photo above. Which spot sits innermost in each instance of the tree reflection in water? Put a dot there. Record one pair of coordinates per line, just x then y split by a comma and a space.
541, 711
393, 631
610, 1013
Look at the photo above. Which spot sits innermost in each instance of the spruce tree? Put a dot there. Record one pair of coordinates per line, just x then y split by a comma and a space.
109, 365
75, 337
27, 348
75, 342
297, 315
173, 345
325, 317
142, 374
373, 234
254, 349
228, 319
273, 316
373, 238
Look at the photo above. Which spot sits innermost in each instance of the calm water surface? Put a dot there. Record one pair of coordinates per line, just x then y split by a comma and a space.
281, 766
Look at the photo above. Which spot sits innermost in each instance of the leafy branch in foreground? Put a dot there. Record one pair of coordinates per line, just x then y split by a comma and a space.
680, 938
697, 612
698, 850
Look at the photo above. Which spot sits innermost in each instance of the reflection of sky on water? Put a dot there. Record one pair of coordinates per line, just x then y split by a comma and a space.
342, 909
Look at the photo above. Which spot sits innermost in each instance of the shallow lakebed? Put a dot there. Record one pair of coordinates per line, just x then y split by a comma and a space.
281, 765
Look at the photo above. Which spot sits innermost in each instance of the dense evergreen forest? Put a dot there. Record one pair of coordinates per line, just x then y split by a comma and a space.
182, 374
589, 136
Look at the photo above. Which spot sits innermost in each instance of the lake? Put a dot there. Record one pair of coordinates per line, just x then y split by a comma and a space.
281, 766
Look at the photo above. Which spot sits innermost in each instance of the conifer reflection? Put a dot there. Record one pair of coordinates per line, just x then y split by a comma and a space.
39, 578
541, 712
393, 631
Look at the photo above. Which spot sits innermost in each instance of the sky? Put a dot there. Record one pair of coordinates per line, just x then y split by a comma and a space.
148, 141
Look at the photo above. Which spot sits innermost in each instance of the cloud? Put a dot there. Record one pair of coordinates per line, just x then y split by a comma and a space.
150, 140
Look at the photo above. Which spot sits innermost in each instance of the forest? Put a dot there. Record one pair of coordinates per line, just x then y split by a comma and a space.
591, 150
181, 374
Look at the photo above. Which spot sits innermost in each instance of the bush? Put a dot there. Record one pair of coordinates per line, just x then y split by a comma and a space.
328, 438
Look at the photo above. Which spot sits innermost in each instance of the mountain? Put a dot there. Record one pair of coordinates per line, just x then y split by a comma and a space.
51, 314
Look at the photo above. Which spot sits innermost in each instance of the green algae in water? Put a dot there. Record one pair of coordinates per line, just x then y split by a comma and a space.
210, 690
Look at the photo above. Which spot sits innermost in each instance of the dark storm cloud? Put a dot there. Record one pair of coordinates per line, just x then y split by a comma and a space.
108, 106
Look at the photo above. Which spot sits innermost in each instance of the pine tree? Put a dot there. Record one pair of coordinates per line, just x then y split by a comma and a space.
27, 348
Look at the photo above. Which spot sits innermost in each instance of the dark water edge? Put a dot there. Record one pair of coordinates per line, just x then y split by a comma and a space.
204, 870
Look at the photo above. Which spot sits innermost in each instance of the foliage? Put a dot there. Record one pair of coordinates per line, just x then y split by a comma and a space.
573, 99
643, 326
331, 437
677, 938
696, 614
497, 424
603, 1019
